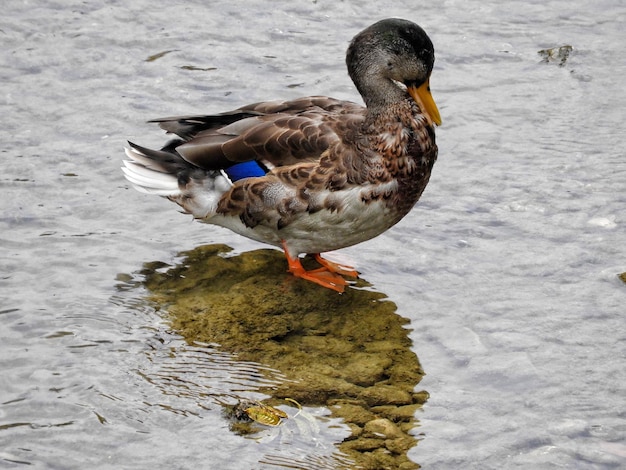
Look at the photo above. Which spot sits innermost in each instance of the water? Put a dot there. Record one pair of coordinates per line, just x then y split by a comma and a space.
507, 268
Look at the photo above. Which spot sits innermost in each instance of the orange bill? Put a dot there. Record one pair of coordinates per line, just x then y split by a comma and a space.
425, 100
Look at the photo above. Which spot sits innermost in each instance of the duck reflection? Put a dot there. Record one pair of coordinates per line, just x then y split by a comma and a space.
332, 358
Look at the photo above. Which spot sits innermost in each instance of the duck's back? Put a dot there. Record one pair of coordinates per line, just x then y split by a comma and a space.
275, 133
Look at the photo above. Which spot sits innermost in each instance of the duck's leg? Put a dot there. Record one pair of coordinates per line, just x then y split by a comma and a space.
336, 267
321, 276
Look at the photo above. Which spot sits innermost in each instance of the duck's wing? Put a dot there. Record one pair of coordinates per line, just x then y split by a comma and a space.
276, 133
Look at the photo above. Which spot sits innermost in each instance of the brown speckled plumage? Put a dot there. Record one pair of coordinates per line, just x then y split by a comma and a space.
337, 173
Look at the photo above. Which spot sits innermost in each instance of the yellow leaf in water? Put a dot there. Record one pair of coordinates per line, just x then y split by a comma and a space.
266, 414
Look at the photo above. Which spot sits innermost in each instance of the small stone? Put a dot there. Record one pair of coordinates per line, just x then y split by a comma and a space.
385, 395
384, 410
400, 445
408, 427
421, 397
352, 413
363, 444
355, 431
402, 413
382, 428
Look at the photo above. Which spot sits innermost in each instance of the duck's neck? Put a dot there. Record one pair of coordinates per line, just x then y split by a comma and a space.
369, 73
379, 92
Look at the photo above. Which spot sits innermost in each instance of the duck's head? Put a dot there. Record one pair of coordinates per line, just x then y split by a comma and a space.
387, 55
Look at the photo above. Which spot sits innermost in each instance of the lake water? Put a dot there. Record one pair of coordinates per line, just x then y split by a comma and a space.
507, 269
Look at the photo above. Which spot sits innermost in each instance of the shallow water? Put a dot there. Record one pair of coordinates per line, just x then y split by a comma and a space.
507, 268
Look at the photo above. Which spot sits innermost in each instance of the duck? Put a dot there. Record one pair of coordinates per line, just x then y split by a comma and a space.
314, 174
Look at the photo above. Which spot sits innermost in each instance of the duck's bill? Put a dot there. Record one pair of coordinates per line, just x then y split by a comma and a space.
425, 100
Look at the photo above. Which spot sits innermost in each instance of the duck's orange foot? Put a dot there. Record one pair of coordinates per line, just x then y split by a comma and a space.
327, 276
336, 267
320, 276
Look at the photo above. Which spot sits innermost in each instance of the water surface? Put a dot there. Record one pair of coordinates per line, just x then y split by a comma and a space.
507, 270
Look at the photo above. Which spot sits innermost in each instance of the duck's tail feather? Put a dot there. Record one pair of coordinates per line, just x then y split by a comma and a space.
167, 174
151, 171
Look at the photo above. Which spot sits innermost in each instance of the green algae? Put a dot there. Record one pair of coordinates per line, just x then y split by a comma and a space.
349, 352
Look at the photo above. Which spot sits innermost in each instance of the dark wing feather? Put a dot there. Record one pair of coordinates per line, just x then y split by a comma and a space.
276, 132
186, 127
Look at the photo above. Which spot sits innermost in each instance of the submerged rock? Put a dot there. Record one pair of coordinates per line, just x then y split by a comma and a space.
558, 54
349, 353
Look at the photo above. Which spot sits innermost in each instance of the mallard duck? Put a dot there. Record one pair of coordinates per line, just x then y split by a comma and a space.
313, 174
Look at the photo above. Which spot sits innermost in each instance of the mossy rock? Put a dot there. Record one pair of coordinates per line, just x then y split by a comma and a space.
349, 352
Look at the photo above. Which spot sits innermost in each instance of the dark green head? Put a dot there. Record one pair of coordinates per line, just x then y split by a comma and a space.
391, 51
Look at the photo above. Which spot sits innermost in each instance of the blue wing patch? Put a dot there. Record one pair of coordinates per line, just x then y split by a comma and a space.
243, 170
